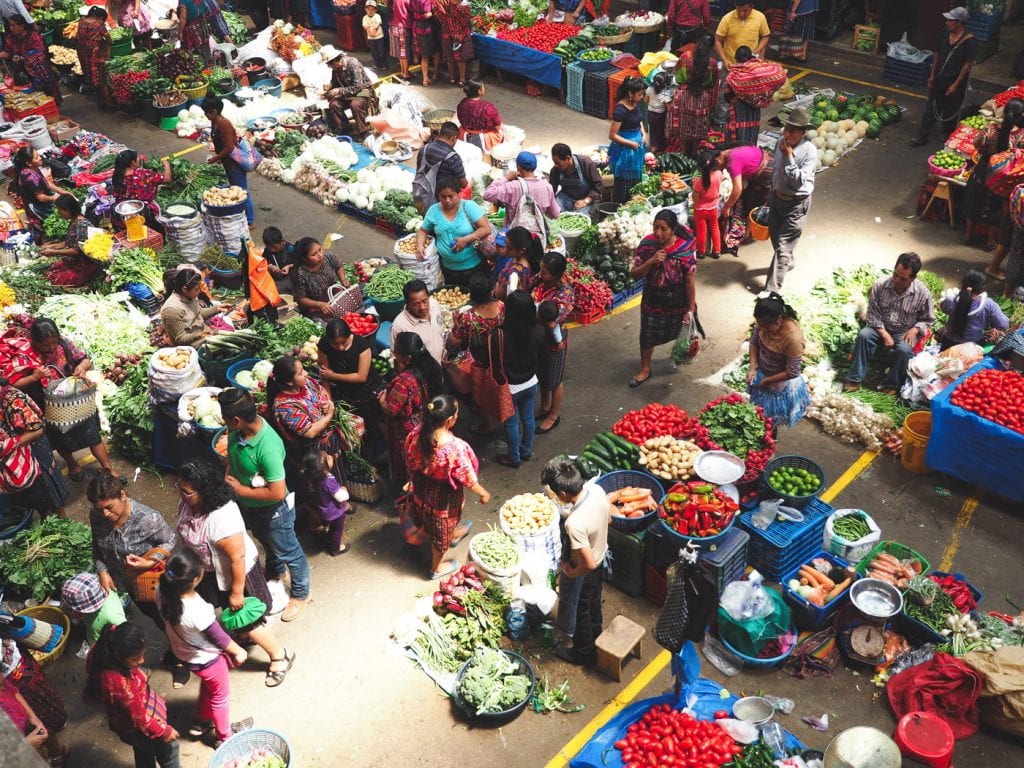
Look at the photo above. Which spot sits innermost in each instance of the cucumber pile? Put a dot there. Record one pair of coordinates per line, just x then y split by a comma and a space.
607, 453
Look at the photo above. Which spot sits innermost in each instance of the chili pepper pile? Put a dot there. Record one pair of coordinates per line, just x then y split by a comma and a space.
757, 755
730, 423
697, 509
653, 420
957, 590
360, 324
666, 737
994, 395
542, 36
453, 590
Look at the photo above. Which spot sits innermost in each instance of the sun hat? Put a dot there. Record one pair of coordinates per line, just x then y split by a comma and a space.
798, 118
83, 593
957, 14
527, 161
252, 610
329, 53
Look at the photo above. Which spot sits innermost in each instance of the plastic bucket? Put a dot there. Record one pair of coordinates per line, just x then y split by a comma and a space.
757, 231
169, 123
917, 428
608, 209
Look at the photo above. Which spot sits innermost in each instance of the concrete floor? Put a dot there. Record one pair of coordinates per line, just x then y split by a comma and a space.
353, 699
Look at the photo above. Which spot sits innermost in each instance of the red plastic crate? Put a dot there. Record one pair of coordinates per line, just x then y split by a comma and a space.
49, 110
614, 81
351, 36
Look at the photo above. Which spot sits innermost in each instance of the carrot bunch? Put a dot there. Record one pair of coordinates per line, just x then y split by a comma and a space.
896, 572
824, 589
632, 502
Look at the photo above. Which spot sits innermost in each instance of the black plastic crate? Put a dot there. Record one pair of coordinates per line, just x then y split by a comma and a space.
729, 560
985, 26
595, 92
662, 548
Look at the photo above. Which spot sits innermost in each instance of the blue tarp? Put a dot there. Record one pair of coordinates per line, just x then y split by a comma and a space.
600, 752
973, 449
321, 13
545, 68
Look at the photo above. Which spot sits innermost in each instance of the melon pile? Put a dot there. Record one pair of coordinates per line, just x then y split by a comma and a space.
834, 139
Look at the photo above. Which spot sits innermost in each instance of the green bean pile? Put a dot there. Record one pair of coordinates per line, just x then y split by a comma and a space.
496, 550
851, 527
387, 283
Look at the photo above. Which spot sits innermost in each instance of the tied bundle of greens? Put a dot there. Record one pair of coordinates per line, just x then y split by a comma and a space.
493, 682
188, 182
131, 421
136, 265
40, 559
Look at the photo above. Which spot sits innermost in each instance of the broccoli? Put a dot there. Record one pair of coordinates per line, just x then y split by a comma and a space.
492, 682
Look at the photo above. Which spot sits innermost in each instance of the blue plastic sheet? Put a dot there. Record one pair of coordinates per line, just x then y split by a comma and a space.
600, 752
973, 449
545, 68
321, 13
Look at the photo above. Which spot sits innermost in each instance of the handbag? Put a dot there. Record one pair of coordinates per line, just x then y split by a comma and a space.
18, 467
459, 367
246, 155
414, 534
145, 583
686, 610
495, 397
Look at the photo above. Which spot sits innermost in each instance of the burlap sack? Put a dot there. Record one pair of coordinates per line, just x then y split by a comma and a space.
1002, 694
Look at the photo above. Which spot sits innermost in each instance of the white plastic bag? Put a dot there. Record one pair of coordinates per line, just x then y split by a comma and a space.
904, 51
746, 600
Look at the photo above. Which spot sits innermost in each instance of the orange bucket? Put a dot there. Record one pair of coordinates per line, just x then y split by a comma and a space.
757, 231
917, 428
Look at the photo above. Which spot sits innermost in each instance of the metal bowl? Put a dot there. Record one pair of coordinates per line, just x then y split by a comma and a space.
753, 709
876, 598
129, 208
719, 467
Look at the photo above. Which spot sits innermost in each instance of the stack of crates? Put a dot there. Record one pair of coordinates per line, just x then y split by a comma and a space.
574, 86
728, 561
785, 545
595, 92
350, 34
985, 26
616, 78
908, 73
627, 563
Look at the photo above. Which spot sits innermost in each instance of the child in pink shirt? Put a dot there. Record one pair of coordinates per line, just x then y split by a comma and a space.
705, 206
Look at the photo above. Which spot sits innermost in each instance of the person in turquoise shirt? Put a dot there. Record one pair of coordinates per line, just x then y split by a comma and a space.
458, 227
87, 601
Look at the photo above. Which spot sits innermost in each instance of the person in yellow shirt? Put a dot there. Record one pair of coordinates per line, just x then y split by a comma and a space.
742, 26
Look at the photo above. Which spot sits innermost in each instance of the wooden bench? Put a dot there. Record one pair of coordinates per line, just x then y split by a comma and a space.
621, 639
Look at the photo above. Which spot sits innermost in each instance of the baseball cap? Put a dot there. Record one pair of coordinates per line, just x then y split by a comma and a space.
527, 161
499, 238
957, 14
370, 2
82, 593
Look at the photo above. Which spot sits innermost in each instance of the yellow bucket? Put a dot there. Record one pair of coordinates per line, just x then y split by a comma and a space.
917, 428
757, 231
136, 226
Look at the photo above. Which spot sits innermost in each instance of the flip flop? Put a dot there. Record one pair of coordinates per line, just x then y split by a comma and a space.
441, 574
457, 541
995, 275
635, 382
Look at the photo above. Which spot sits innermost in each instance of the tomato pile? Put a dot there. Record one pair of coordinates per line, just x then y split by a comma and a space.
994, 395
542, 36
697, 509
360, 323
653, 420
668, 737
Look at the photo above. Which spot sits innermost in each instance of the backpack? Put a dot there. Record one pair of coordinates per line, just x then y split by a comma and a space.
529, 215
424, 183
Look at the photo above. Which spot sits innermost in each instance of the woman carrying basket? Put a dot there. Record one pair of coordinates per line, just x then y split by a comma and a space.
315, 271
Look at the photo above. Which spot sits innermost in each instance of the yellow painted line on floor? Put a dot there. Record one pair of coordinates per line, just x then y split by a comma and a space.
803, 73
630, 692
623, 307
848, 476
963, 519
875, 86
615, 706
190, 149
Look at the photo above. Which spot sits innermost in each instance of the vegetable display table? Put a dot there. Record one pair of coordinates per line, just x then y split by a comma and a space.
960, 437
545, 68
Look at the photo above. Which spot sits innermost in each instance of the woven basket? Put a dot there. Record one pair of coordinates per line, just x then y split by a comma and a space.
435, 117
241, 745
368, 492
618, 39
644, 29
52, 615
192, 93
65, 412
344, 300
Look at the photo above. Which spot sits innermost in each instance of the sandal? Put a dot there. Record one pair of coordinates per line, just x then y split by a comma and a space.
456, 540
453, 567
276, 677
340, 551
180, 675
59, 759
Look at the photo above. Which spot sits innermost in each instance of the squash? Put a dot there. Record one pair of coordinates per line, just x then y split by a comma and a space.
829, 158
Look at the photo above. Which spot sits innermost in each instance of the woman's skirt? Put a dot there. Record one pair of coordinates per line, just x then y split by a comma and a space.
50, 490
72, 272
424, 39
661, 314
464, 50
94, 69
437, 508
785, 402
551, 370
744, 123
794, 35
196, 38
39, 693
255, 586
85, 435
398, 41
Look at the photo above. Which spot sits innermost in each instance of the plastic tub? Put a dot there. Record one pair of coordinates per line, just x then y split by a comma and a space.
755, 661
707, 541
795, 462
388, 310
225, 210
498, 718
15, 518
757, 231
272, 85
234, 369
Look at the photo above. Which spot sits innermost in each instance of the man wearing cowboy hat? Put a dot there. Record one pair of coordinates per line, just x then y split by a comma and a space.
350, 90
947, 83
790, 199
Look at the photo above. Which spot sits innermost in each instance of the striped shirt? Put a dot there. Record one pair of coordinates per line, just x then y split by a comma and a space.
898, 313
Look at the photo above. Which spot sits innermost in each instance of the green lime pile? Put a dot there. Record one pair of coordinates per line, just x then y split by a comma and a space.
948, 160
794, 481
975, 121
597, 54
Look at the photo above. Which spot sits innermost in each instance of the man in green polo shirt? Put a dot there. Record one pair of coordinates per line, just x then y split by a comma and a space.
257, 476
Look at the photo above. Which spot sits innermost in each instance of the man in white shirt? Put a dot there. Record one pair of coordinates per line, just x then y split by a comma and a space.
422, 316
10, 8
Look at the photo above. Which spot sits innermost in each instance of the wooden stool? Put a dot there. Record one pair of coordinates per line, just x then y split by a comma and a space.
942, 191
622, 638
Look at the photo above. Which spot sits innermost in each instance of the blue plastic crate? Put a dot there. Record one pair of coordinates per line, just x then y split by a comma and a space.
574, 86
775, 568
775, 551
984, 26
805, 614
922, 633
906, 72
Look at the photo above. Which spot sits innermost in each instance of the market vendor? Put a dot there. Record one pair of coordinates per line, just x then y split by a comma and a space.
576, 11
750, 168
37, 191
315, 271
973, 316
133, 182
774, 379
225, 140
422, 316
73, 270
350, 90
479, 120
60, 357
345, 364
900, 315
279, 253
458, 227
25, 47
576, 180
93, 46
183, 316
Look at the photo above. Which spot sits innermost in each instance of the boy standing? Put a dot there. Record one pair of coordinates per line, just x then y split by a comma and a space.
373, 25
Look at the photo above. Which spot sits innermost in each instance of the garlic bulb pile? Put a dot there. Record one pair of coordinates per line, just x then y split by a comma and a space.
624, 233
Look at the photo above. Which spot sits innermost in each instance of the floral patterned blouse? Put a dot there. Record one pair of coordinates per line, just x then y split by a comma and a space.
141, 184
78, 233
560, 293
454, 461
18, 413
403, 402
515, 268
470, 329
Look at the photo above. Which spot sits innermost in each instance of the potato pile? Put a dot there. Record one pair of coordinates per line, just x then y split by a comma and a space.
224, 196
407, 245
175, 358
452, 298
528, 513
669, 458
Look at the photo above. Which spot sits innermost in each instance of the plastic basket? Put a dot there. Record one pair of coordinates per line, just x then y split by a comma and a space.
784, 545
628, 554
193, 93
574, 73
213, 443
625, 478
755, 661
272, 85
525, 668
388, 310
17, 517
897, 550
907, 73
794, 462
805, 614
241, 745
234, 369
52, 615
216, 370
615, 79
728, 561
595, 91
984, 26
948, 173
707, 541
594, 66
